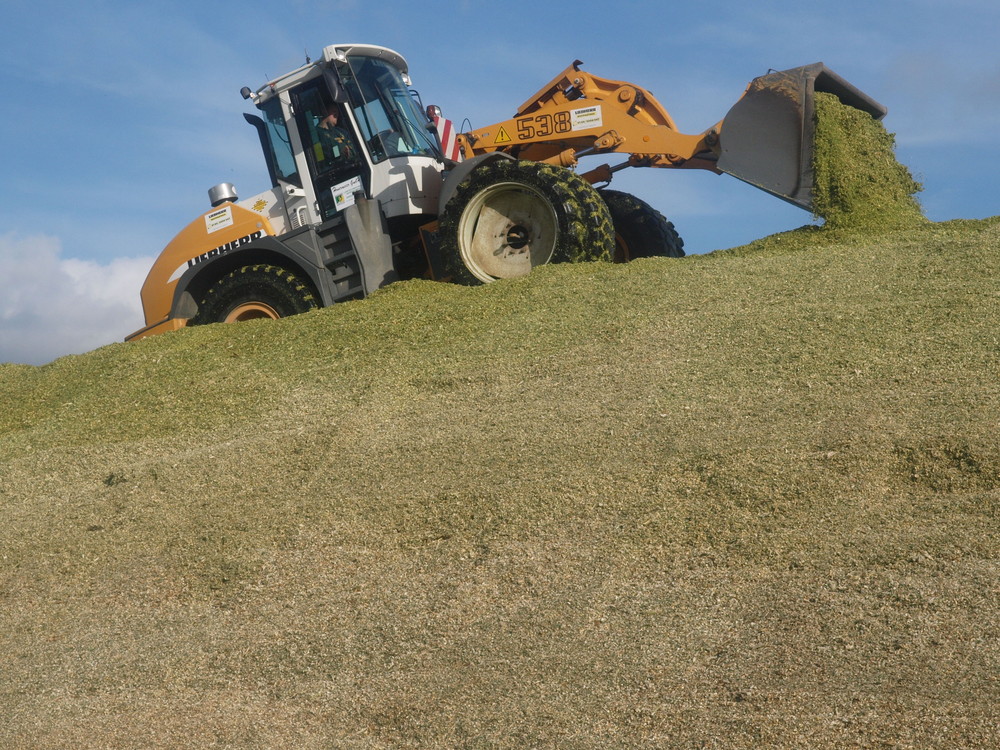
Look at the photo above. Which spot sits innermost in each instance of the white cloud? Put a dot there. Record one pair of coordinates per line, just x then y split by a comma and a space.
51, 306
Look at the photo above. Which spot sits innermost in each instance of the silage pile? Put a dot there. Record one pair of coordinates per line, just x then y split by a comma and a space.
857, 181
739, 500
728, 501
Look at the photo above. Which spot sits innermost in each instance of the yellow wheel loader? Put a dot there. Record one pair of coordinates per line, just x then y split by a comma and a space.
368, 186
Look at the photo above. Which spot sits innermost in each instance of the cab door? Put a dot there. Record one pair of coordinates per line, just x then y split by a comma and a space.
337, 165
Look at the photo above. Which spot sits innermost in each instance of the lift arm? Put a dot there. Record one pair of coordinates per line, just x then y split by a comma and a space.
578, 114
764, 140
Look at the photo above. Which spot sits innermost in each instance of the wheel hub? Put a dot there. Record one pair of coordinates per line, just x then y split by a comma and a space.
506, 230
518, 237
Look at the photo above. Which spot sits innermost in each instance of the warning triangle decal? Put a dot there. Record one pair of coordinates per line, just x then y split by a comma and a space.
502, 136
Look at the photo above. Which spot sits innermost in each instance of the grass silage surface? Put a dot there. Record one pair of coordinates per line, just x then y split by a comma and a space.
744, 499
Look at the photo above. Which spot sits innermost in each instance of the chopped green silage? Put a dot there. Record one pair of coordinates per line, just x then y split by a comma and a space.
857, 181
747, 499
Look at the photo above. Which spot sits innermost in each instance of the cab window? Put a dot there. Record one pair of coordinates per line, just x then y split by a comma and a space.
283, 160
390, 122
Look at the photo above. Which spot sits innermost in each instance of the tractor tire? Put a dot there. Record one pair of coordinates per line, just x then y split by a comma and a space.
509, 216
252, 292
640, 230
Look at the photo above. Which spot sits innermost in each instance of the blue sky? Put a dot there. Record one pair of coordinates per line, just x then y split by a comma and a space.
119, 116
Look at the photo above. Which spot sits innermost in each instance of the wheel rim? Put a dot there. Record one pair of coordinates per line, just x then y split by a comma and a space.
506, 230
622, 254
251, 311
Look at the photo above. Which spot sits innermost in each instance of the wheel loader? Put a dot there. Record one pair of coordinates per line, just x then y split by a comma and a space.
368, 186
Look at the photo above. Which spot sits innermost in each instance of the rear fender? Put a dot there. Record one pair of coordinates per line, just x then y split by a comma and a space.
199, 278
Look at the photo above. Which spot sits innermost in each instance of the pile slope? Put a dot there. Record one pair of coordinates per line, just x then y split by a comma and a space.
737, 500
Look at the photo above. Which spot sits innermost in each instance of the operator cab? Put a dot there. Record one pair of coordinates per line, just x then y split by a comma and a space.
344, 126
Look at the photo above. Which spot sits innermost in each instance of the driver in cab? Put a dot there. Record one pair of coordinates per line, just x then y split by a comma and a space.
334, 140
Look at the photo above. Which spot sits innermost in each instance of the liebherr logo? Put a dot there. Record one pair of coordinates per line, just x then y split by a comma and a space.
215, 252
223, 249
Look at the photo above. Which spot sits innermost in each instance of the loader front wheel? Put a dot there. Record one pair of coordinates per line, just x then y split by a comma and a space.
252, 292
509, 216
640, 230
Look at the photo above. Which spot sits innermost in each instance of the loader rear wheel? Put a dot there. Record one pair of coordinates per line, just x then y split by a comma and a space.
640, 230
509, 216
252, 292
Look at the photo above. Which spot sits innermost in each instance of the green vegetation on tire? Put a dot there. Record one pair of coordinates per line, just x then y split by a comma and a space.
257, 291
640, 230
510, 216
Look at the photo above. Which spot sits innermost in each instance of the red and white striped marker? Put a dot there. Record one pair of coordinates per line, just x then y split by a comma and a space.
449, 143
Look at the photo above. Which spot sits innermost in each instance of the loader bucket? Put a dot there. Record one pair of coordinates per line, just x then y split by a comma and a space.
766, 139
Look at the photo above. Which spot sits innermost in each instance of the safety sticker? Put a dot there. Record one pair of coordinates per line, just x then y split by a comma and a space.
343, 194
502, 136
588, 117
220, 219
259, 206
